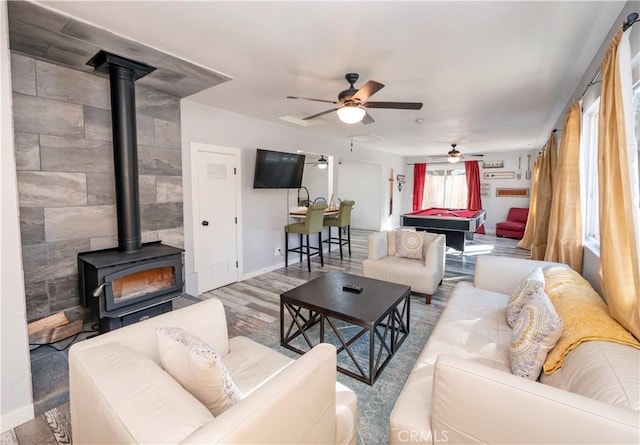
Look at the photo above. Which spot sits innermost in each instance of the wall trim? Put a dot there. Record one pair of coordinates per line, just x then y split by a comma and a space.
17, 417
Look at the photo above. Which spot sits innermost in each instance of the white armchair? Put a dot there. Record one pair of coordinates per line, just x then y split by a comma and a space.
423, 276
121, 394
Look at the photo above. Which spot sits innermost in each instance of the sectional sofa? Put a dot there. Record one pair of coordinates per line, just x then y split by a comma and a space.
461, 389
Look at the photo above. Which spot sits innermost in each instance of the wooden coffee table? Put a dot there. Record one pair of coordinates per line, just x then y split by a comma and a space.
321, 311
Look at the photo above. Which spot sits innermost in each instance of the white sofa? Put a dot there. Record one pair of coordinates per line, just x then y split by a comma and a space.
423, 276
461, 389
120, 393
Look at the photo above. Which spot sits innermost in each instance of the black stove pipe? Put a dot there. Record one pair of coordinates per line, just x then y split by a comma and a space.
125, 157
122, 75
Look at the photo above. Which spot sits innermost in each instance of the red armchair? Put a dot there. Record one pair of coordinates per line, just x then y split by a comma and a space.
514, 226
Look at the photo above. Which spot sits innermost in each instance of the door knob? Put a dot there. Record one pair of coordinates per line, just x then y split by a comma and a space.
205, 223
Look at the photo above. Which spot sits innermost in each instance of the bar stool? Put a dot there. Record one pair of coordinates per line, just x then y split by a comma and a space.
343, 220
312, 224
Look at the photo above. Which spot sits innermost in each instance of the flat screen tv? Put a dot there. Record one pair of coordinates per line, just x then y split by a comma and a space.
278, 170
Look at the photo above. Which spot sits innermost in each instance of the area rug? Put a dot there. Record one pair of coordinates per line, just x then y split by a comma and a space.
376, 402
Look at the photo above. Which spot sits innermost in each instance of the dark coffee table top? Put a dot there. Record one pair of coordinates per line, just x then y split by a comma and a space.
324, 294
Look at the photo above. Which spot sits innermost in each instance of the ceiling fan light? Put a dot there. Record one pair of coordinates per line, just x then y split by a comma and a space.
351, 114
322, 163
453, 159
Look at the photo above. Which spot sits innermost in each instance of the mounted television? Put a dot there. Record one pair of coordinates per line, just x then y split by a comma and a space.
278, 170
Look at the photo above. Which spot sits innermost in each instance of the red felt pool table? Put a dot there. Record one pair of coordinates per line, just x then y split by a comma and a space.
456, 224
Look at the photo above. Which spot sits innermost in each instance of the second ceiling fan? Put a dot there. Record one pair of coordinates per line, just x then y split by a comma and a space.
454, 155
352, 102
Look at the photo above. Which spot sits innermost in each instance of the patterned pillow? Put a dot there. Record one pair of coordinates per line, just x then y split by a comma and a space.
409, 245
535, 332
532, 284
198, 368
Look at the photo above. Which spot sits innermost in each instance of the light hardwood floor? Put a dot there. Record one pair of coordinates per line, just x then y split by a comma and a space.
254, 303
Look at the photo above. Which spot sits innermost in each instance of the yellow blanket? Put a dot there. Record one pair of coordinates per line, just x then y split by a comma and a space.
584, 315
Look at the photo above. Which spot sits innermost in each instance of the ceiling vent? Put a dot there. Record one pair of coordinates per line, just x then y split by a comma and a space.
369, 137
298, 120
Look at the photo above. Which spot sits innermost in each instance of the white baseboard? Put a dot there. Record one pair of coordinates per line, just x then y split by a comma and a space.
255, 273
293, 259
16, 417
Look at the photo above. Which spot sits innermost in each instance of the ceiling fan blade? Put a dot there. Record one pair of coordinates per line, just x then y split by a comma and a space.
472, 155
315, 100
319, 114
367, 119
395, 105
369, 89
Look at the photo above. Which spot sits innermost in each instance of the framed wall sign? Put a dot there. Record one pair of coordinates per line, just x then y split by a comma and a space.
492, 164
504, 192
499, 175
401, 180
485, 189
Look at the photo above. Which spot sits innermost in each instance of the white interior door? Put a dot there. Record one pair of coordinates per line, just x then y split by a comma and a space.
217, 251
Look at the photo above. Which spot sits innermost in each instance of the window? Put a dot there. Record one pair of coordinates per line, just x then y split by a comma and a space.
590, 149
445, 188
589, 156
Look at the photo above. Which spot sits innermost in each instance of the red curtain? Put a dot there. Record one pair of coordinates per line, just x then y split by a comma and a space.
474, 201
419, 172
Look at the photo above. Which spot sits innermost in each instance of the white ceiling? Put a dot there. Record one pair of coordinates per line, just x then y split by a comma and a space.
493, 76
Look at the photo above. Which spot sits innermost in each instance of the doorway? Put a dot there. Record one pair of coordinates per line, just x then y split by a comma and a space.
361, 182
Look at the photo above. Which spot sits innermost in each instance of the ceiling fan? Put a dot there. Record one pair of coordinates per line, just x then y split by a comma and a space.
321, 163
352, 102
454, 155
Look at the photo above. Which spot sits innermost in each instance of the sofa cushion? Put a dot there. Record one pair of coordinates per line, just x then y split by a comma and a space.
531, 285
130, 391
511, 225
603, 371
409, 245
535, 332
251, 364
583, 313
472, 327
518, 214
198, 368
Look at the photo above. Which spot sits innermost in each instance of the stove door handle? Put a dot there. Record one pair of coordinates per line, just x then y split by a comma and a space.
98, 290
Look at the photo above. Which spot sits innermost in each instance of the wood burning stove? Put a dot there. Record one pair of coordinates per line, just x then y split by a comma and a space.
133, 281
125, 288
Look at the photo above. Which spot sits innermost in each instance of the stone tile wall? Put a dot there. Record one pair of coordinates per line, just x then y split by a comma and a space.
66, 185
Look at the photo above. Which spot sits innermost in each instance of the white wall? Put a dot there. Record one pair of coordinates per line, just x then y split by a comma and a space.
496, 207
264, 212
17, 401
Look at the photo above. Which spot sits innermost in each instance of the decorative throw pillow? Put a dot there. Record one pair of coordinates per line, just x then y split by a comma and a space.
409, 245
535, 332
198, 368
532, 284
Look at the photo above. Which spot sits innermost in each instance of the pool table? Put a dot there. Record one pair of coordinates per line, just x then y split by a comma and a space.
456, 224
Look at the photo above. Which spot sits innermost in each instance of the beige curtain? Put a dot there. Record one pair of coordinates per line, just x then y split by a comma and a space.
619, 266
564, 239
527, 240
544, 187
